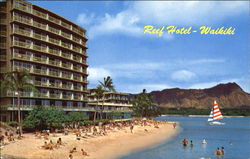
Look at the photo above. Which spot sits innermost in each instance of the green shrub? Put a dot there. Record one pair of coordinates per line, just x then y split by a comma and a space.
13, 123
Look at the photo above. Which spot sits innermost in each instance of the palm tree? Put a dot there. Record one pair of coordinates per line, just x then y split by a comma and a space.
108, 86
99, 93
18, 81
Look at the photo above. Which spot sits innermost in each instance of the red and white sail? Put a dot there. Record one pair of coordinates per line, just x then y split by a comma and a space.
216, 112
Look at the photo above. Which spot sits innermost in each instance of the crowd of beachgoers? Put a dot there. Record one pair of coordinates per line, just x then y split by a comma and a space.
53, 140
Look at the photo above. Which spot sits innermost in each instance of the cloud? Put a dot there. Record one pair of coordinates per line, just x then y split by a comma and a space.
132, 19
96, 74
203, 61
84, 19
183, 75
122, 22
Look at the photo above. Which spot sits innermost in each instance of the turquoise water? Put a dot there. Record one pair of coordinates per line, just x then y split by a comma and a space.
234, 136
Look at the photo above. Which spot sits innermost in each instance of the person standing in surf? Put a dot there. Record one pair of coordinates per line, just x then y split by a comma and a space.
185, 142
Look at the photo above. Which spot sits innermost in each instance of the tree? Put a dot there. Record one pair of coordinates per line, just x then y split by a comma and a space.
108, 86
143, 106
75, 117
99, 93
44, 118
18, 81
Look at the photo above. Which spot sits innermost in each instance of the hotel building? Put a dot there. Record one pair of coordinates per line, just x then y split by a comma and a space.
52, 49
112, 102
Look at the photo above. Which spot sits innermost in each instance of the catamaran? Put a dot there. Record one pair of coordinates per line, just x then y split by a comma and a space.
215, 114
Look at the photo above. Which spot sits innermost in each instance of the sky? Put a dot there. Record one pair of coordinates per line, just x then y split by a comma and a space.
118, 46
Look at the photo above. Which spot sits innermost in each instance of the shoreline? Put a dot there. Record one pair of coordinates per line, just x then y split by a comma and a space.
116, 144
201, 115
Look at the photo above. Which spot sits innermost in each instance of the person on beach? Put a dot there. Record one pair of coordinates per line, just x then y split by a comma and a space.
222, 150
131, 128
45, 146
218, 151
59, 141
51, 145
174, 125
185, 142
84, 153
70, 156
1, 138
73, 150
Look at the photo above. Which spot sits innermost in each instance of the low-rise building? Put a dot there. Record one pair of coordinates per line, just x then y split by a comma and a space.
111, 102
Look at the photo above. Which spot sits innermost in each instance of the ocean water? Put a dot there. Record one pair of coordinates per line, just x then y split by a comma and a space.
234, 136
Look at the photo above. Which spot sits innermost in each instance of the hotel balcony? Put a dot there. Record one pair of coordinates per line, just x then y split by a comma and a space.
22, 32
22, 20
3, 57
77, 88
39, 14
65, 108
54, 20
27, 8
54, 41
53, 30
67, 86
44, 38
3, 9
40, 71
39, 59
55, 85
54, 95
22, 44
20, 56
24, 8
77, 59
68, 36
3, 33
55, 63
77, 97
39, 83
39, 37
66, 66
43, 72
67, 76
65, 25
39, 25
66, 96
54, 52
54, 74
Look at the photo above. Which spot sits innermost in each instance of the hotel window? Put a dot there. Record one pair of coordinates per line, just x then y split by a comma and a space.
79, 104
58, 103
45, 103
69, 104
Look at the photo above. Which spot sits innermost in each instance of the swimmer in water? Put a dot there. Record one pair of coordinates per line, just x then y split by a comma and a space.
204, 141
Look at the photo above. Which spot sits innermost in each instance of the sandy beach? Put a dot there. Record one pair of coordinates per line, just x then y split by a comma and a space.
116, 144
